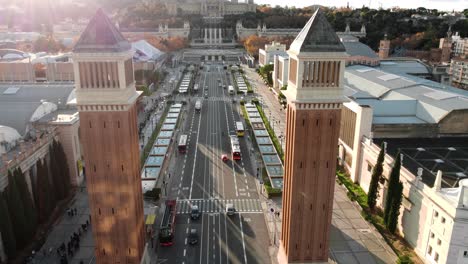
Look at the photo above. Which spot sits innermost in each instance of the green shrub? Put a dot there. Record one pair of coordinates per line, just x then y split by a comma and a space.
153, 194
405, 259
242, 102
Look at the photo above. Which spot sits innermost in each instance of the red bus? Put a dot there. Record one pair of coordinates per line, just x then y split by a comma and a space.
166, 232
235, 148
182, 144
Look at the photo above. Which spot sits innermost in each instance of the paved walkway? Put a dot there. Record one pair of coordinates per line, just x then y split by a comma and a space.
352, 239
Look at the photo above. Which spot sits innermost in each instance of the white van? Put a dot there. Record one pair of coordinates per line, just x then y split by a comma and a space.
198, 105
231, 89
195, 87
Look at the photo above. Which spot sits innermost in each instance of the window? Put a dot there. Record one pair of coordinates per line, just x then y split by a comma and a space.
436, 257
432, 235
439, 242
436, 214
429, 250
443, 220
369, 167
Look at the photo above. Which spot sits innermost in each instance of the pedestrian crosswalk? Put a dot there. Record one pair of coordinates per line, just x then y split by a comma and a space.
214, 99
219, 205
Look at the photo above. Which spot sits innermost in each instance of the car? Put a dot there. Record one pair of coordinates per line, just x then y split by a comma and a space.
224, 157
193, 237
206, 95
230, 210
195, 212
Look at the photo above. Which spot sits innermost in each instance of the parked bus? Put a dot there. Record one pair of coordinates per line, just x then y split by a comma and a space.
235, 148
182, 144
166, 232
239, 129
231, 89
198, 105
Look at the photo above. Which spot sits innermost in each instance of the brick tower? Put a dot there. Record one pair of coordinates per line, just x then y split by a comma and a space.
106, 96
384, 48
315, 96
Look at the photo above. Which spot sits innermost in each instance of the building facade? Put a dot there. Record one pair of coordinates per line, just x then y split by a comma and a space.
459, 72
106, 99
315, 96
210, 8
280, 71
266, 56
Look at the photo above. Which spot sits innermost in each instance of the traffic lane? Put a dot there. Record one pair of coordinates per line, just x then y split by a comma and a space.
200, 185
256, 238
186, 176
235, 246
175, 253
193, 251
248, 159
213, 247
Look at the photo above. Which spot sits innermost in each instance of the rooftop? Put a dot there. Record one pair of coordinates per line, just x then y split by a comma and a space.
21, 104
412, 99
448, 154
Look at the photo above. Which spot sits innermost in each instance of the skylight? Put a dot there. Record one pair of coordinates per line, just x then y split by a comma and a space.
364, 70
440, 95
11, 90
388, 77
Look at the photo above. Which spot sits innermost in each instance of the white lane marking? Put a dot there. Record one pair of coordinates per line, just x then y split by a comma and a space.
242, 235
186, 241
196, 148
185, 252
201, 240
186, 231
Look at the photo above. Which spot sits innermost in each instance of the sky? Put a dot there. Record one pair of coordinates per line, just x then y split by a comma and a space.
446, 5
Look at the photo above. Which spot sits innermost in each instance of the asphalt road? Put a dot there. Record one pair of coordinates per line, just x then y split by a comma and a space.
200, 177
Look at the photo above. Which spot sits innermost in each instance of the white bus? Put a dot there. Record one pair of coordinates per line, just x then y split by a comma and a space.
198, 105
235, 148
182, 144
231, 89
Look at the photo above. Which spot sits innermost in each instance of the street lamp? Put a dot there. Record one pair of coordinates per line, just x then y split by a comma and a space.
272, 213
281, 140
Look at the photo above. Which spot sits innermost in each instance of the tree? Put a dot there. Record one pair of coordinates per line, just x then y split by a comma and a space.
16, 211
47, 44
395, 208
253, 43
29, 209
373, 193
392, 187
6, 228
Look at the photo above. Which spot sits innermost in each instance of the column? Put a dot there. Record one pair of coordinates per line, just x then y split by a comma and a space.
206, 35
220, 36
211, 35
215, 38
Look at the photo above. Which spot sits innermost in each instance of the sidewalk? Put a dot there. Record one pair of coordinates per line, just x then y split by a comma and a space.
352, 239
